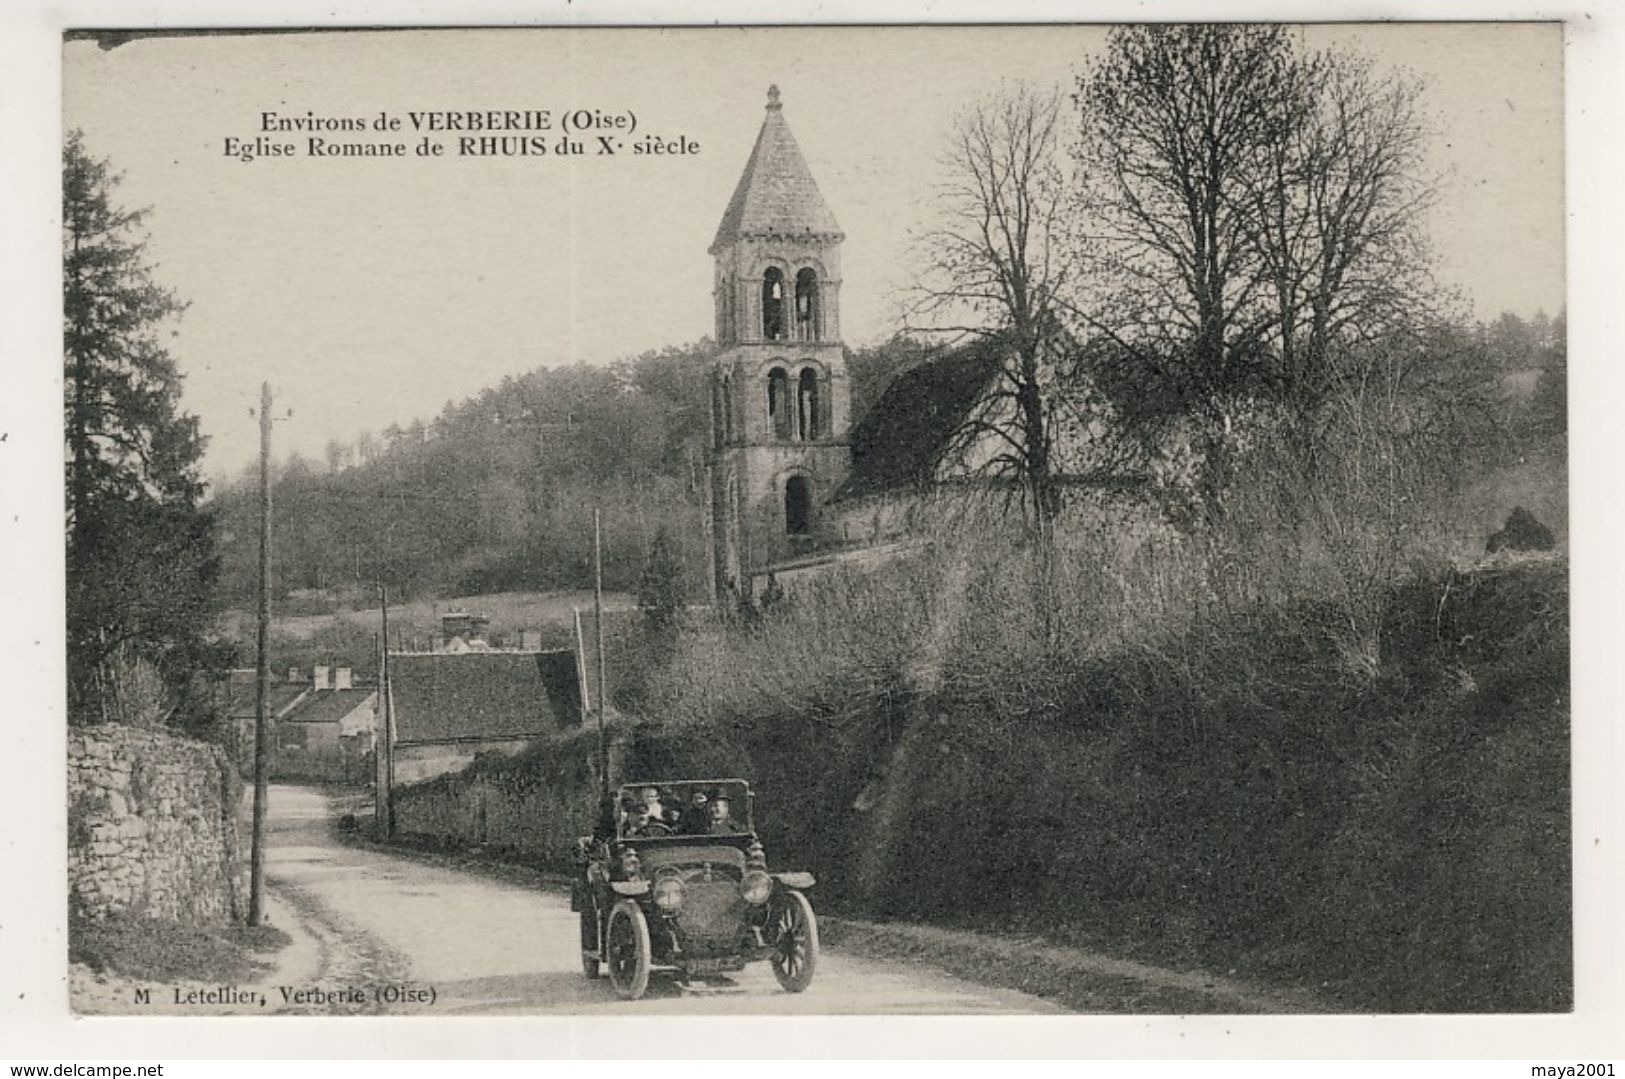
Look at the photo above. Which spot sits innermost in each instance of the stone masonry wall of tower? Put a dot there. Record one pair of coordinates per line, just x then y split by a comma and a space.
780, 400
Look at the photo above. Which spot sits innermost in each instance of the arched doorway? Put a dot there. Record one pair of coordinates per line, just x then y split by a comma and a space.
797, 506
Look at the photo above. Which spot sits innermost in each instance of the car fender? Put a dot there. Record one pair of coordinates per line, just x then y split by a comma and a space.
629, 887
797, 881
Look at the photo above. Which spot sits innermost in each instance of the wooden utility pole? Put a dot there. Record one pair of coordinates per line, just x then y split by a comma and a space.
598, 621
384, 740
262, 676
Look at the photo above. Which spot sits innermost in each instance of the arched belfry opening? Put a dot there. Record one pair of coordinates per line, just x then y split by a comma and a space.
808, 413
807, 312
779, 415
773, 304
797, 506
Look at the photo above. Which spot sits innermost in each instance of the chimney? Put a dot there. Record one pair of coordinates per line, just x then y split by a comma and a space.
318, 678
341, 678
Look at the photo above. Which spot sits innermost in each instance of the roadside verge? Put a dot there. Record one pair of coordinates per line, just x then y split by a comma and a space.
1080, 980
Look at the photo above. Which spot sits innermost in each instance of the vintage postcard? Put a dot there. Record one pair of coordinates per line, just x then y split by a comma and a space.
1019, 520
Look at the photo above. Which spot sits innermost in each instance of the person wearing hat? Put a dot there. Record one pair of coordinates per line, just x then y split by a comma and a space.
694, 819
638, 823
633, 814
721, 813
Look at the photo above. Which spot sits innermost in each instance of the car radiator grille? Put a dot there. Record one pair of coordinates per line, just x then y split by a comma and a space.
712, 911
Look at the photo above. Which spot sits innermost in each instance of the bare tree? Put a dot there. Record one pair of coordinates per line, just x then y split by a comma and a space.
1174, 122
997, 269
1254, 211
337, 455
1334, 212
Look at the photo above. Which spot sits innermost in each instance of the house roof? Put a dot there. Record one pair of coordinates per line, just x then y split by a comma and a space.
900, 442
329, 705
481, 696
279, 696
776, 195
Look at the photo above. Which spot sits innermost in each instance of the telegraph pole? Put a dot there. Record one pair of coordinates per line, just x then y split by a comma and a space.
384, 740
598, 621
262, 675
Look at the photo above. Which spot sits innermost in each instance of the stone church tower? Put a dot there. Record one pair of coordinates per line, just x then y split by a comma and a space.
779, 394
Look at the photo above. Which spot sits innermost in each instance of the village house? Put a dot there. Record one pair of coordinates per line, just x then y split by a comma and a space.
239, 706
328, 736
446, 708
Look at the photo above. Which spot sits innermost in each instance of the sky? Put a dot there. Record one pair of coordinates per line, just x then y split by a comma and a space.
372, 291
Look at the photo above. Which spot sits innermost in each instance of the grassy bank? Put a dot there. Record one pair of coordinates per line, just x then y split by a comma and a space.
1236, 791
154, 950
1336, 770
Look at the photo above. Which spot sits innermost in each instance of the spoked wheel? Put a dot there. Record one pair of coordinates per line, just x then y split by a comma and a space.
795, 942
589, 942
626, 950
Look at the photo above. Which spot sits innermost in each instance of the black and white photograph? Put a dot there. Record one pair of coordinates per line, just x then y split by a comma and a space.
1048, 520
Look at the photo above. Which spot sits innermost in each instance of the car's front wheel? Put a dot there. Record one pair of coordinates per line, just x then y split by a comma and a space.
795, 941
626, 950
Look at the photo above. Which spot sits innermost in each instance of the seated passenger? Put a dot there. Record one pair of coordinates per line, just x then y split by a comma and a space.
639, 825
657, 812
694, 820
722, 822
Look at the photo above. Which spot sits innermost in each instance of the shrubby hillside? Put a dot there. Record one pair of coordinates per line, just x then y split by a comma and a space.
495, 494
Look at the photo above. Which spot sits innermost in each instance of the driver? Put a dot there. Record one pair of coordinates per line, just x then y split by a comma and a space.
640, 825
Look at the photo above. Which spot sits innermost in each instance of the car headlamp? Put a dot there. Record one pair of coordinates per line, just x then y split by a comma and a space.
668, 893
757, 887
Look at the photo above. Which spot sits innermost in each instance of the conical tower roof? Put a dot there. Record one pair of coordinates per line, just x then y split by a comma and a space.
777, 195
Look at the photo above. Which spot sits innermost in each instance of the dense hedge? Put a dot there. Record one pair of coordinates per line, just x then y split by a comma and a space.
1235, 796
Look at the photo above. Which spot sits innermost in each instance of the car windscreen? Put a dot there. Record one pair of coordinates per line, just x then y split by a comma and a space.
686, 807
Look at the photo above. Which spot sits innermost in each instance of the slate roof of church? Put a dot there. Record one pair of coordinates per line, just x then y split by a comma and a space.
481, 696
900, 442
776, 195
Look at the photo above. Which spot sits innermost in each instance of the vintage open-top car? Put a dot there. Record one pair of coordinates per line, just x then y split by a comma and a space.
676, 880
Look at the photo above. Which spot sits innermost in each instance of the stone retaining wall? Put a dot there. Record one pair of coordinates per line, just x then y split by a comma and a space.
152, 827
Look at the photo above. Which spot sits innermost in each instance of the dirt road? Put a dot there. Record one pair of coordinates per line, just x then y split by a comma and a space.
489, 947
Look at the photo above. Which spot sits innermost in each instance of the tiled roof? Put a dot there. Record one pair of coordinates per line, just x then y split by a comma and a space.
328, 705
479, 696
278, 696
776, 195
900, 442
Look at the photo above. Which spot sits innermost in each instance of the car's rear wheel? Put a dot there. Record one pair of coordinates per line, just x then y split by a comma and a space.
626, 950
795, 941
589, 942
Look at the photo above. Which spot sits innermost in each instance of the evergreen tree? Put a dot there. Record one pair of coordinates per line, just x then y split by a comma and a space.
663, 591
140, 552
